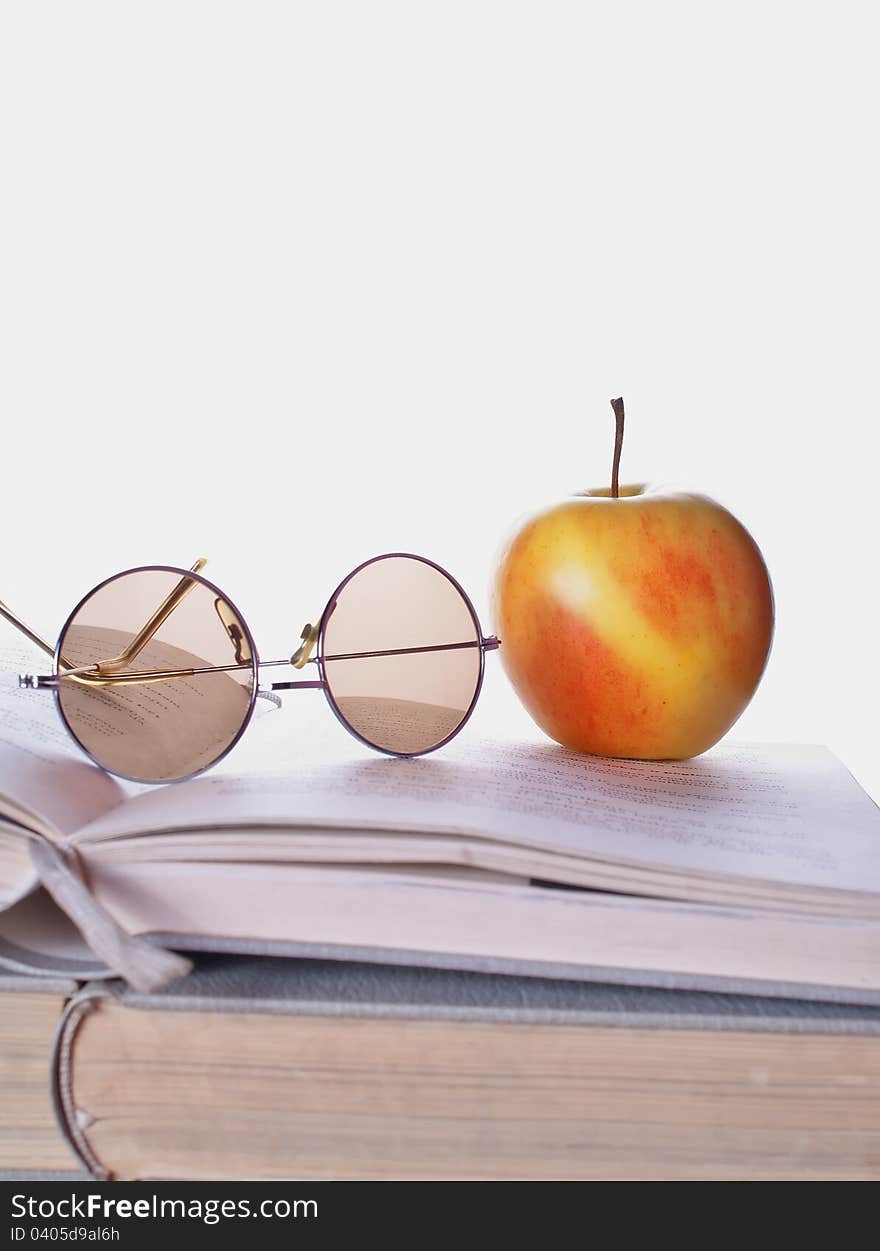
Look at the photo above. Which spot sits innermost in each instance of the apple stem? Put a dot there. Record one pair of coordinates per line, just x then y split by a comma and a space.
617, 405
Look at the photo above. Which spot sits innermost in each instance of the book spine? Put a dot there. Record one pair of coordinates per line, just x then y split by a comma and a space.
71, 1122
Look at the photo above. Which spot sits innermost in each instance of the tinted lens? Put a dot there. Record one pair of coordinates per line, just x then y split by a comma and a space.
160, 730
411, 701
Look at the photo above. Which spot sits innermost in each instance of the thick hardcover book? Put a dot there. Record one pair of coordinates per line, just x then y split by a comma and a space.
30, 1009
751, 869
260, 1068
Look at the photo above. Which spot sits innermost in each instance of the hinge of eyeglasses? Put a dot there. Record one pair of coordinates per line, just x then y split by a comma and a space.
37, 682
309, 637
491, 644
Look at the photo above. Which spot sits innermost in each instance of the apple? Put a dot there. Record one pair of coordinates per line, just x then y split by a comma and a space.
634, 621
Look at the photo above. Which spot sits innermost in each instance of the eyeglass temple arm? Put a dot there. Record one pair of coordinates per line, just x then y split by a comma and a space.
92, 676
107, 672
485, 644
149, 629
137, 644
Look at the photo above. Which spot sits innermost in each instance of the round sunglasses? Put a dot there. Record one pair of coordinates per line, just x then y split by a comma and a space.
156, 673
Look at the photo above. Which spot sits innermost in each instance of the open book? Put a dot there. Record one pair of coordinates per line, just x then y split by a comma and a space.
751, 868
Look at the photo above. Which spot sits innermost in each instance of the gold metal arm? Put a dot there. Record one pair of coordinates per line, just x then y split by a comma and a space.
90, 675
149, 629
137, 644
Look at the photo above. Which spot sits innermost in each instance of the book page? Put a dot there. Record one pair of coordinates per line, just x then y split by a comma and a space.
461, 920
381, 847
46, 782
36, 936
775, 813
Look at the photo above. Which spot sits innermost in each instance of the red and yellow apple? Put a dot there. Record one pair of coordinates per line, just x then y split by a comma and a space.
635, 624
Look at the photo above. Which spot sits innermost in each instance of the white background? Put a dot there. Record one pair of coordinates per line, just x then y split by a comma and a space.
287, 285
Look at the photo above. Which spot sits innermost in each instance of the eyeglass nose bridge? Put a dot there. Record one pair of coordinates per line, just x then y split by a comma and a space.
309, 636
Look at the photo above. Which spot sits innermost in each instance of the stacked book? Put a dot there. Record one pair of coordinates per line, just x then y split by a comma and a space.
508, 961
281, 1068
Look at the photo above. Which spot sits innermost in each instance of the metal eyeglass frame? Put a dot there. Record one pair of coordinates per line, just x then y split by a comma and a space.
109, 672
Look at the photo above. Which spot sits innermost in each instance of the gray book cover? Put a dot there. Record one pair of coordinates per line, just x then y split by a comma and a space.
339, 988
